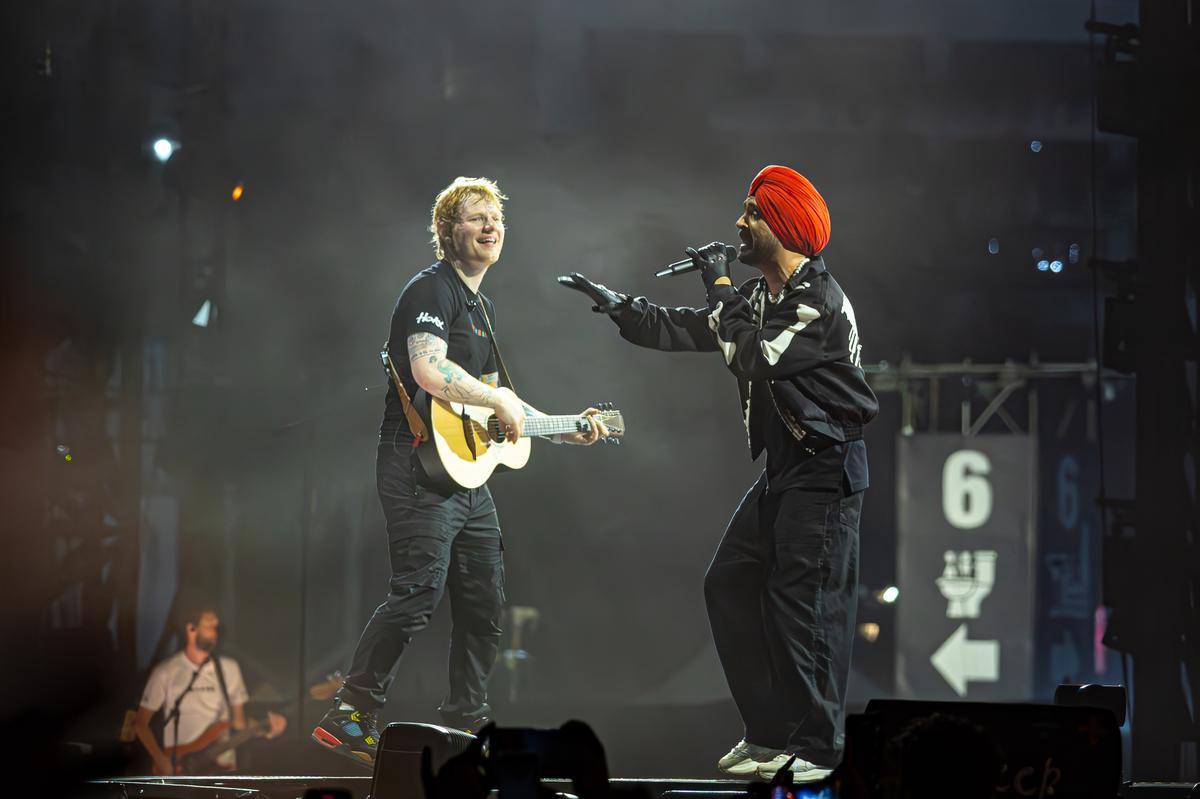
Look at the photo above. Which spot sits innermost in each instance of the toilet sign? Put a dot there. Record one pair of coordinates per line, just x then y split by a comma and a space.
965, 515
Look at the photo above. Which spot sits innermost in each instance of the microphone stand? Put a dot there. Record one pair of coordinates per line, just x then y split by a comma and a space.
308, 426
174, 714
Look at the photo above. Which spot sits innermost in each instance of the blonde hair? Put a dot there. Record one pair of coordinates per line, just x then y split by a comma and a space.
450, 199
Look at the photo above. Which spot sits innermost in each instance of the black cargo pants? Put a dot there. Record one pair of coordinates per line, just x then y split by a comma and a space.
435, 543
782, 594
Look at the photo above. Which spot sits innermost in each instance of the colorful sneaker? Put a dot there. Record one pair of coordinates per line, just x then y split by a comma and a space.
467, 722
350, 733
745, 758
802, 770
476, 724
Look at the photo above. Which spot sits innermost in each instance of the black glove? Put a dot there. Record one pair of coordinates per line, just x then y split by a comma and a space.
606, 300
712, 260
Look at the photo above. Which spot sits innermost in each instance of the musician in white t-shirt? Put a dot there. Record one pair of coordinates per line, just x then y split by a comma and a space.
193, 675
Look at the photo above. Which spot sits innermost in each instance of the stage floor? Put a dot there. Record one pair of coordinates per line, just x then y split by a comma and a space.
293, 787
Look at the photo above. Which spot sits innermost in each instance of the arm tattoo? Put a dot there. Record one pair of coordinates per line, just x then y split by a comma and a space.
455, 384
425, 345
492, 379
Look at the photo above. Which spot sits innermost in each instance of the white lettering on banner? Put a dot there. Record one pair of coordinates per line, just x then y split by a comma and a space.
431, 319
1068, 492
966, 492
1026, 783
967, 578
960, 661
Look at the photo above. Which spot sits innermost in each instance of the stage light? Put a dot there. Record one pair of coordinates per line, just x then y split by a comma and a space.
203, 315
1056, 266
1035, 146
888, 595
1037, 253
237, 192
1043, 265
1073, 253
869, 630
164, 149
994, 246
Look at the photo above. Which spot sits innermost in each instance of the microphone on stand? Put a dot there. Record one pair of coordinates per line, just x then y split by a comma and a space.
686, 265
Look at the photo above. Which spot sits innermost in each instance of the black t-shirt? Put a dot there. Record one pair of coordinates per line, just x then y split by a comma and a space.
436, 301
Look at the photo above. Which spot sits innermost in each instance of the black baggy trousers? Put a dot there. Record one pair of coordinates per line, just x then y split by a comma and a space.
436, 543
781, 596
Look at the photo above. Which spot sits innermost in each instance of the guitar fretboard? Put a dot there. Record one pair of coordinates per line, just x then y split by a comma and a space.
547, 425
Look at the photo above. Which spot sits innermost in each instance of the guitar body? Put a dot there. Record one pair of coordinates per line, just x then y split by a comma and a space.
185, 755
460, 453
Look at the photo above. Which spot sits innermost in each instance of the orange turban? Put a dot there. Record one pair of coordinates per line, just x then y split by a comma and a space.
793, 209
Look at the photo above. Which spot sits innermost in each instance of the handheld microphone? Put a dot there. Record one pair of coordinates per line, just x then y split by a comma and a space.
686, 265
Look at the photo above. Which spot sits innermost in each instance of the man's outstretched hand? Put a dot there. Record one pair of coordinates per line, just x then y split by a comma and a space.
605, 299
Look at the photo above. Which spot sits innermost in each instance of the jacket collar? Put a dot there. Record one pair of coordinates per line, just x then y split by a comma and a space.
812, 267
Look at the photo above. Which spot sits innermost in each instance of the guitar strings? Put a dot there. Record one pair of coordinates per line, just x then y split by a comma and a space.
550, 425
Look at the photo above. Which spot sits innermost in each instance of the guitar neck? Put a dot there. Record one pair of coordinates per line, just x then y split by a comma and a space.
553, 425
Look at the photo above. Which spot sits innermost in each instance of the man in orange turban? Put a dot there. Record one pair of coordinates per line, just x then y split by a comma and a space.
781, 588
793, 209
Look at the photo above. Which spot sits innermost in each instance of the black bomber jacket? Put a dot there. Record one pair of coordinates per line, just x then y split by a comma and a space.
802, 347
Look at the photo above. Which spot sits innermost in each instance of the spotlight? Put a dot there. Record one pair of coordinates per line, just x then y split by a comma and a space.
1073, 253
237, 192
1056, 266
1035, 146
203, 315
1043, 265
994, 246
1036, 252
164, 148
869, 631
888, 595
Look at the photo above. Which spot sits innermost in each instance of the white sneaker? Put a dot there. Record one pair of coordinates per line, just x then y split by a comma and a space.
802, 770
745, 758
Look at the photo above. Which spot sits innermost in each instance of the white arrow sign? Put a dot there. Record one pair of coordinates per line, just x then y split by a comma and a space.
959, 660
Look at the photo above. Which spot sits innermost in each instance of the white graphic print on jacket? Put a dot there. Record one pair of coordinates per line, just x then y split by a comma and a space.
854, 345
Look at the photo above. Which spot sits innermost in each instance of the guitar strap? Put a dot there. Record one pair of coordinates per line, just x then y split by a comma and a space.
505, 380
415, 423
216, 661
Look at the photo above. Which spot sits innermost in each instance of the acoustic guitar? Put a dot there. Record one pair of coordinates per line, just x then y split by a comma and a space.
467, 443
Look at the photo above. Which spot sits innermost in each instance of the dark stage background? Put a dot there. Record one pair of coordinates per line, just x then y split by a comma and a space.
233, 462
